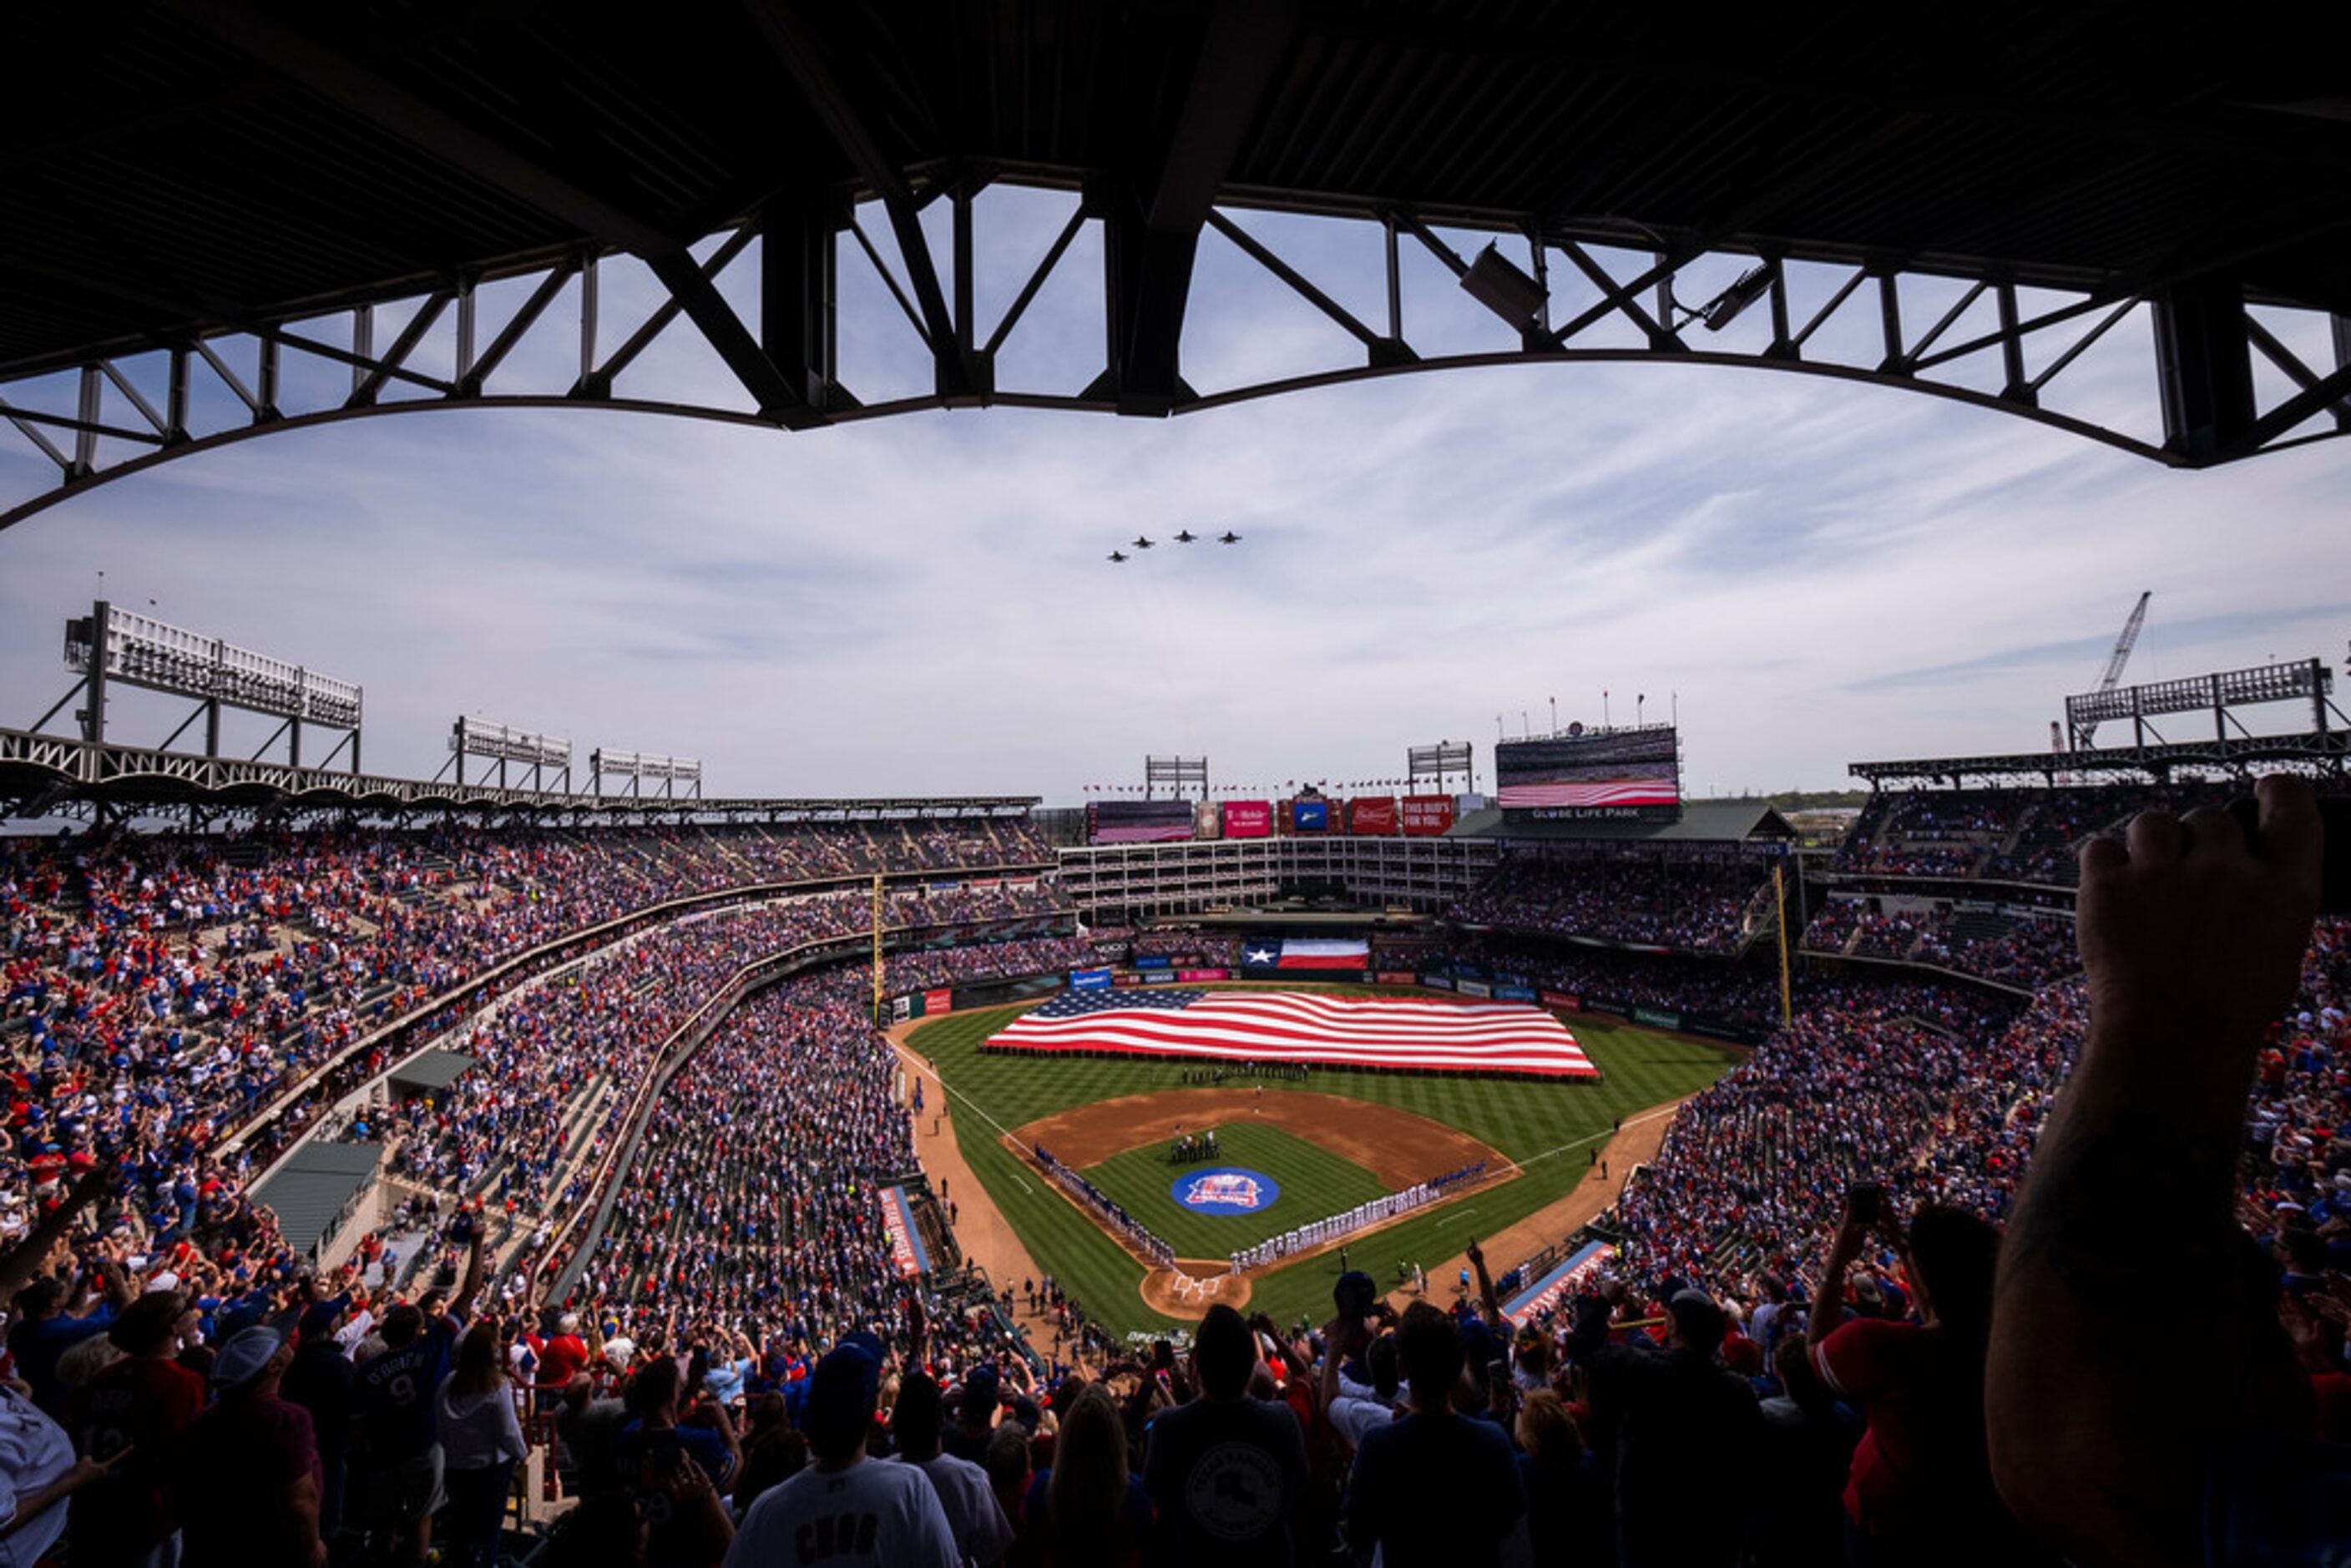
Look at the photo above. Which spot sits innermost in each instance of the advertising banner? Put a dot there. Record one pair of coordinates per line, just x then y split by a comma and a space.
1567, 1000
1248, 819
901, 1008
1126, 978
1374, 814
1473, 988
1200, 974
1441, 982
1156, 961
1656, 1017
1158, 976
906, 1251
1425, 816
1397, 977
1310, 816
937, 1001
1562, 1283
1513, 994
1088, 979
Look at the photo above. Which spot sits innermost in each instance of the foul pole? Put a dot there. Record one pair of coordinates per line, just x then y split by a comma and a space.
878, 1020
1780, 897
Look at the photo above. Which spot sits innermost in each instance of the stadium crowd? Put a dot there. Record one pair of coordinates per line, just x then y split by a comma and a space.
1798, 1355
1694, 905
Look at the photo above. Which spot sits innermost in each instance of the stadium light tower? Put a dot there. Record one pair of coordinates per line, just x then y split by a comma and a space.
1438, 765
637, 766
111, 646
500, 744
1177, 774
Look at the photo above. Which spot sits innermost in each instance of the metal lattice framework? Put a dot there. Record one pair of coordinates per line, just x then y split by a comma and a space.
1986, 340
66, 775
2318, 751
404, 208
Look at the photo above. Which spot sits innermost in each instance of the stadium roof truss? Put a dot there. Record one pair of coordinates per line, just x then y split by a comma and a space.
2322, 751
234, 217
48, 774
2231, 748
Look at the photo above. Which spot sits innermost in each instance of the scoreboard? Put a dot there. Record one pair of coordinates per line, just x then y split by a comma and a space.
1600, 773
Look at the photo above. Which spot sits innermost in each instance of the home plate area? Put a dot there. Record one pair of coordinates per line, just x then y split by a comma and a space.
1207, 1187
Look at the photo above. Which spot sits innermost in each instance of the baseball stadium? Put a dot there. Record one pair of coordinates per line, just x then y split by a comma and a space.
1069, 1070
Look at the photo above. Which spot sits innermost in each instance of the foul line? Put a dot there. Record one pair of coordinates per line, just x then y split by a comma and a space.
1596, 1137
907, 1054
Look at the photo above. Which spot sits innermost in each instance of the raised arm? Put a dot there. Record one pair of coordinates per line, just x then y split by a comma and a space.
1489, 1306
28, 1257
1828, 1302
463, 1307
2192, 941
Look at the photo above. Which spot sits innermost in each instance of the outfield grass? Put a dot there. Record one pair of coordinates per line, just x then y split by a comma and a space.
1546, 1127
1314, 1185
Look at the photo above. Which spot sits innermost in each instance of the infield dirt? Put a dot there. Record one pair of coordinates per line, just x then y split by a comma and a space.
1399, 1147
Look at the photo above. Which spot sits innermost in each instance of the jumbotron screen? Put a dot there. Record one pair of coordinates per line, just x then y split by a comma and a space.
1606, 772
1138, 822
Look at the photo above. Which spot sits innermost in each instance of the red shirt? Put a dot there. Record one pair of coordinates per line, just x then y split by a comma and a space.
1920, 1473
138, 1404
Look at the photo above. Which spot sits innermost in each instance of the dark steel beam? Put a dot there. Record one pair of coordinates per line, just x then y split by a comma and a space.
802, 52
2204, 364
698, 297
798, 291
1154, 210
336, 75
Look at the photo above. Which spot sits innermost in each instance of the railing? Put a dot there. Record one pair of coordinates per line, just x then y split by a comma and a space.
531, 961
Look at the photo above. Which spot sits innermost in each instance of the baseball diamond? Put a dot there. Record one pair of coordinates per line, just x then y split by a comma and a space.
1097, 1114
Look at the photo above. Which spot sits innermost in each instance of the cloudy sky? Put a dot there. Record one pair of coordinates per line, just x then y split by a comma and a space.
1820, 571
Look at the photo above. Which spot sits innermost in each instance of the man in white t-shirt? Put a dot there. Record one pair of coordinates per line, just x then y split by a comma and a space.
841, 1509
982, 1534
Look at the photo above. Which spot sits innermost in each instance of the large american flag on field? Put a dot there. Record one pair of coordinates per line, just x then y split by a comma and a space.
1287, 1026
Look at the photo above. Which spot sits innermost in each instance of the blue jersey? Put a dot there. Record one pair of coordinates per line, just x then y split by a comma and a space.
394, 1392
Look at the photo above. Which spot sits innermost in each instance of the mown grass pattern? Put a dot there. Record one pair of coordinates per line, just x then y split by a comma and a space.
1526, 1120
1314, 1185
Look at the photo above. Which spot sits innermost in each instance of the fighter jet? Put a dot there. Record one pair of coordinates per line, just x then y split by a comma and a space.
1142, 543
1184, 537
1117, 555
1229, 538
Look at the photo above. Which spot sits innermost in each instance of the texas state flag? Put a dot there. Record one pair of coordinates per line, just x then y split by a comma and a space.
1324, 953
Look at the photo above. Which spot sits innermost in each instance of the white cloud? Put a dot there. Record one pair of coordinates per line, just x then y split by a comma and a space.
1820, 571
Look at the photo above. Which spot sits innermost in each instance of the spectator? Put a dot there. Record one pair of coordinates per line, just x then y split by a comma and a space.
1226, 1472
323, 1381
2193, 941
244, 1474
38, 1474
982, 1532
1567, 1509
481, 1441
1921, 1486
1088, 1511
842, 1508
127, 1417
1430, 1453
772, 1451
1682, 1432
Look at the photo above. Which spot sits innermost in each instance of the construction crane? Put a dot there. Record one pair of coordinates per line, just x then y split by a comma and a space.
2120, 657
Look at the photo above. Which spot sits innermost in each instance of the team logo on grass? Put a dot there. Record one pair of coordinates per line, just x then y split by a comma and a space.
1225, 1192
